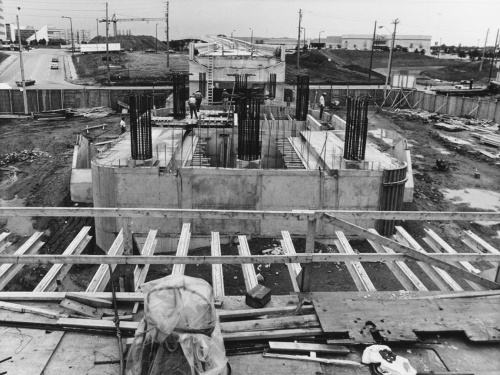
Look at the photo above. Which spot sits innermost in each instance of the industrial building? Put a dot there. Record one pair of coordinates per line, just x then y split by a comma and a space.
412, 42
3, 28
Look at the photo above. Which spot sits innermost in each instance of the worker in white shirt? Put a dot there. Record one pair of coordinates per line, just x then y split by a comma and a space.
122, 125
321, 105
192, 106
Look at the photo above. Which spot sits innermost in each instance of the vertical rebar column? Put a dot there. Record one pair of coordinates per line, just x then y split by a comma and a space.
356, 129
302, 99
140, 126
272, 86
180, 95
392, 194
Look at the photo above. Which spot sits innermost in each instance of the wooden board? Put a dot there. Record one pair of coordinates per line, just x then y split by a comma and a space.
182, 248
398, 320
30, 349
101, 277
248, 269
141, 270
307, 347
217, 273
58, 271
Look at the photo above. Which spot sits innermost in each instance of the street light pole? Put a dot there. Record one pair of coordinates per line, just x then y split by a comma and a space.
371, 55
319, 39
156, 40
98, 38
25, 96
72, 39
396, 21
251, 42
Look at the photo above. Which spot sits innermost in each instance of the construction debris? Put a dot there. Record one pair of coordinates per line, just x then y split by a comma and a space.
24, 155
95, 112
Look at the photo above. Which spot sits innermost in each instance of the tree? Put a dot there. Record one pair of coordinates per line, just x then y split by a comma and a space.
422, 51
42, 42
416, 50
462, 54
473, 54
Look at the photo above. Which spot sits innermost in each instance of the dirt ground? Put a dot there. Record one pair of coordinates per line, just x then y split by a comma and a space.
41, 178
129, 68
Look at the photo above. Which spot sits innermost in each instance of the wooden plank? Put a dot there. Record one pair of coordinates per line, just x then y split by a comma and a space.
30, 349
478, 245
301, 215
235, 259
95, 323
88, 299
9, 270
217, 273
277, 334
248, 269
312, 358
488, 293
293, 268
307, 347
398, 320
101, 277
3, 240
307, 271
409, 251
402, 272
141, 270
289, 322
238, 314
29, 309
439, 277
437, 244
182, 248
356, 270
81, 309
58, 271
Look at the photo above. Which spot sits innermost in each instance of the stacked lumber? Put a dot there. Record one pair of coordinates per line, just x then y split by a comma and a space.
94, 112
489, 139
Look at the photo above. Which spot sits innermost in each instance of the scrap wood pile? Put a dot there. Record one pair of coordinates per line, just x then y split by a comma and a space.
468, 122
94, 112
24, 155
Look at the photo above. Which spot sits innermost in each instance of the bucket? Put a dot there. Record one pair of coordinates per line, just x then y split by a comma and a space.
477, 175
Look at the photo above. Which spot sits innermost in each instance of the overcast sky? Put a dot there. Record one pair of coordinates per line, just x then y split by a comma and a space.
451, 21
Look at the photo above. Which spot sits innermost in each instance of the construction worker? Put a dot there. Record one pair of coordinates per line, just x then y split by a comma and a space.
192, 106
122, 125
198, 98
225, 99
321, 105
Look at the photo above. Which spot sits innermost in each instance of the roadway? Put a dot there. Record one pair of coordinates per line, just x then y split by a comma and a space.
37, 66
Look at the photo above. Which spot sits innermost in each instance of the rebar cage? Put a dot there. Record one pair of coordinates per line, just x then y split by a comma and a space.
356, 128
140, 126
302, 101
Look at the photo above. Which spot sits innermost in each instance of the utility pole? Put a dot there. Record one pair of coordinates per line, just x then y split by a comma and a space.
484, 50
396, 21
168, 43
493, 58
107, 46
25, 97
156, 39
371, 55
298, 40
97, 20
72, 39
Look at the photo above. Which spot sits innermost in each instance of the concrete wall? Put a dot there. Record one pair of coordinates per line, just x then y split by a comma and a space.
81, 177
261, 67
481, 108
11, 101
214, 188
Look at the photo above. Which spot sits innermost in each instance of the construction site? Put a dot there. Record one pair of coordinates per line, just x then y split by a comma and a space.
259, 234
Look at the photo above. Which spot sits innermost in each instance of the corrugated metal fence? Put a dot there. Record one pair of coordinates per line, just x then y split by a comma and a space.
11, 101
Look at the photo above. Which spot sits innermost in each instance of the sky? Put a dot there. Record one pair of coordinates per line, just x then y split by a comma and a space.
450, 21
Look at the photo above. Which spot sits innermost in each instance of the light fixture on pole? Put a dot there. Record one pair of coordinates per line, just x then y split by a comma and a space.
319, 39
251, 42
156, 39
72, 39
396, 21
23, 82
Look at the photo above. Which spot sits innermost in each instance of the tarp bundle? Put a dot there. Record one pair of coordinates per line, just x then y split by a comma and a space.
178, 310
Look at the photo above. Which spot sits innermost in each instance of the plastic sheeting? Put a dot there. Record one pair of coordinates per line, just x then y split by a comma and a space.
178, 310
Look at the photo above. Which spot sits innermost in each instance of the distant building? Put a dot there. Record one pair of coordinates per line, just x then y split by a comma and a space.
12, 34
79, 36
3, 29
412, 42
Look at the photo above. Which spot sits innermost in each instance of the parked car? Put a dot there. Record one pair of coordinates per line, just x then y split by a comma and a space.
150, 51
465, 81
54, 66
27, 82
458, 87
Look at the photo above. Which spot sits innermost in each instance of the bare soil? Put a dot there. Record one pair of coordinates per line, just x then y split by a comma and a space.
44, 181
